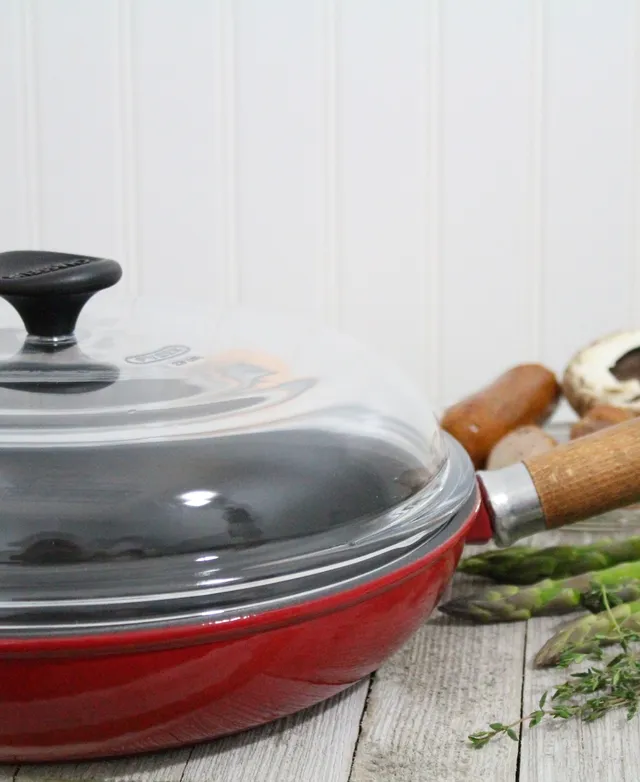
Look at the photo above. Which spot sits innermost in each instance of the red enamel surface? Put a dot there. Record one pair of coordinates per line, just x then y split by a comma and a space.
112, 695
481, 530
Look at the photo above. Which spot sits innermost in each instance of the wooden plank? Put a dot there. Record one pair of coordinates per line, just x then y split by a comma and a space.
314, 746
439, 688
454, 678
607, 750
157, 767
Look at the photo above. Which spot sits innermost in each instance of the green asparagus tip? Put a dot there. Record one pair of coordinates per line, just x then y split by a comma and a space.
587, 633
525, 565
485, 611
461, 608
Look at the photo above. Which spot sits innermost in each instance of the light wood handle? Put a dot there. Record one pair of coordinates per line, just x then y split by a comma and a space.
592, 475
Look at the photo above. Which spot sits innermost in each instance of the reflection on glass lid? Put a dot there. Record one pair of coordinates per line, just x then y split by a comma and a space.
151, 431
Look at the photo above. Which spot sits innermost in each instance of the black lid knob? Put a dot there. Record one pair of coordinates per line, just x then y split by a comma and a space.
49, 289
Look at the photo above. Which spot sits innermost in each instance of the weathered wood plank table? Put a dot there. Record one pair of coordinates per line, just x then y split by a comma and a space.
410, 721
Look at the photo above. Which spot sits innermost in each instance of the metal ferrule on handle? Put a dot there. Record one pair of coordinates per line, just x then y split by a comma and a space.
575, 481
512, 502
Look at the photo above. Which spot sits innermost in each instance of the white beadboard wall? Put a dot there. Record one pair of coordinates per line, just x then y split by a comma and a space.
457, 183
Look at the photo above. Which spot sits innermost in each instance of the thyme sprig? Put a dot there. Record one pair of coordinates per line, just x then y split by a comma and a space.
586, 695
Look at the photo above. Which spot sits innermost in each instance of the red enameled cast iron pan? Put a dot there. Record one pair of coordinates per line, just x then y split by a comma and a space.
108, 690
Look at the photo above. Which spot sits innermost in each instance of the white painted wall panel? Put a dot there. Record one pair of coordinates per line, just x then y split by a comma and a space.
382, 145
175, 82
455, 183
17, 186
589, 173
489, 264
280, 152
72, 80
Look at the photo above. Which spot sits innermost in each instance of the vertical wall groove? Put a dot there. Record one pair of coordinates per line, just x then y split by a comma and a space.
424, 368
329, 256
433, 219
31, 125
129, 240
227, 113
634, 286
331, 121
537, 175
225, 152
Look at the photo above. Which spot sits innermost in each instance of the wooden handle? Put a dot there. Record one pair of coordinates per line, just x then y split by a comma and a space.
592, 475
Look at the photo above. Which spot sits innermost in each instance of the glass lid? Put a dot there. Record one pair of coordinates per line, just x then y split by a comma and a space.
156, 460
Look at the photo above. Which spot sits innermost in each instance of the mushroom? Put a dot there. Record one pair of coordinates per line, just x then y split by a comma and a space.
599, 417
606, 372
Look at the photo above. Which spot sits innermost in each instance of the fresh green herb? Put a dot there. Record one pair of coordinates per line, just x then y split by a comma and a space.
626, 592
589, 634
586, 695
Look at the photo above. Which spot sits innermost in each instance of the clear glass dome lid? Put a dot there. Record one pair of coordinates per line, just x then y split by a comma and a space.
152, 434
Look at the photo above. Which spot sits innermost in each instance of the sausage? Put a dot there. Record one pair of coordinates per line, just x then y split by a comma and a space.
519, 445
599, 417
526, 394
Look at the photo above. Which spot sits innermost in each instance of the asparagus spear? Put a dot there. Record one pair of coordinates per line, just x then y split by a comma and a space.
584, 633
511, 603
527, 565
